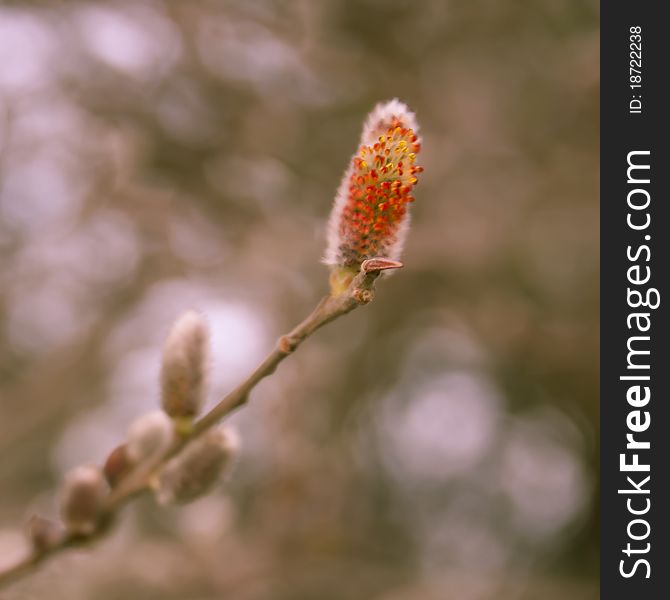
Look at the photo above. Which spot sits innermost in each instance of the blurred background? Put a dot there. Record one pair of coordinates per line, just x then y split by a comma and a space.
440, 443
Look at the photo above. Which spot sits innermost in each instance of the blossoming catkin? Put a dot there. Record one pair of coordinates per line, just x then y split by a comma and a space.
370, 215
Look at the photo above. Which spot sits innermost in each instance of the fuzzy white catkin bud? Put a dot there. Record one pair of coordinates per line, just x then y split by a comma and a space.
185, 365
149, 436
82, 499
197, 467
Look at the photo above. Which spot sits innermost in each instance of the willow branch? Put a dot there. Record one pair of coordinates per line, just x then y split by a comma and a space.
359, 292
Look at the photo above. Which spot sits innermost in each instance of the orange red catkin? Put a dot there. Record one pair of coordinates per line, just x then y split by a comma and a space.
370, 215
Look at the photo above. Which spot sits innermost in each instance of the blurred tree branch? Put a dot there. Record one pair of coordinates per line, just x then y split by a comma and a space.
359, 292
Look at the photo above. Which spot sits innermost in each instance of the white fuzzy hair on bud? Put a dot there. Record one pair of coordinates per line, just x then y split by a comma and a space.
82, 499
383, 115
197, 467
185, 367
149, 436
370, 216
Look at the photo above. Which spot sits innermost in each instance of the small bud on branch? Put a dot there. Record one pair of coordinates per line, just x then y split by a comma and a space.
184, 370
117, 465
82, 499
380, 264
44, 533
149, 436
197, 467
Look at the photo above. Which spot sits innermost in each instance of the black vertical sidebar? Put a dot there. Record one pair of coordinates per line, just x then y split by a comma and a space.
635, 531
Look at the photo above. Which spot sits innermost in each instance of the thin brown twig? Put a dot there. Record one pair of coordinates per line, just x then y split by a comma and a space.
359, 292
